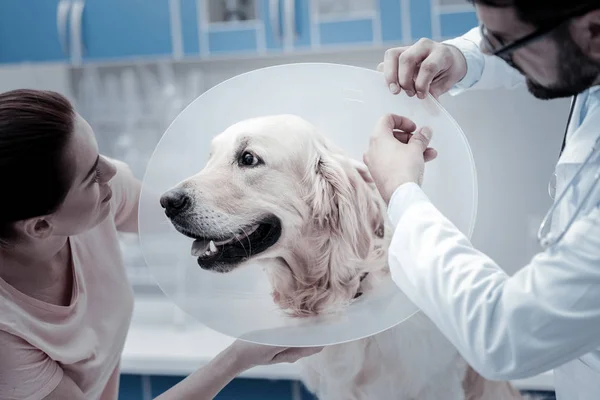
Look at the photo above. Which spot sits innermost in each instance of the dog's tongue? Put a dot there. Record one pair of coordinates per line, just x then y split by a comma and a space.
199, 247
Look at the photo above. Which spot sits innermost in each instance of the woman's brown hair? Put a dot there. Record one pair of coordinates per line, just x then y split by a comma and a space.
35, 127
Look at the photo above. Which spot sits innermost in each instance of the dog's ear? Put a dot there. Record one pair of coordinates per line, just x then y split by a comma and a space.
345, 216
344, 199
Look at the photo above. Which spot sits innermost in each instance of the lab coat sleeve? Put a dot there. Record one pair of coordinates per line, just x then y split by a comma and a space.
483, 71
506, 327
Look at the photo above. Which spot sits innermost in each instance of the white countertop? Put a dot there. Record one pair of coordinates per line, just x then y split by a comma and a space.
164, 341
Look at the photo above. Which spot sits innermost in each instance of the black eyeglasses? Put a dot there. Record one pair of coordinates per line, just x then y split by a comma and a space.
496, 46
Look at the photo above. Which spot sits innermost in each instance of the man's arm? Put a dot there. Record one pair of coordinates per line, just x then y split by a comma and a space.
452, 66
505, 327
483, 71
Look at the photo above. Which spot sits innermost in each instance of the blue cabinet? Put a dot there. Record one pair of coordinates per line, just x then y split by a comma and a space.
392, 20
287, 24
453, 24
29, 31
136, 387
230, 28
116, 29
74, 30
244, 26
80, 31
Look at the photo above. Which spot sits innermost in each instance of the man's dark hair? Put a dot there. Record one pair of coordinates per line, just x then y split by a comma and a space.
543, 12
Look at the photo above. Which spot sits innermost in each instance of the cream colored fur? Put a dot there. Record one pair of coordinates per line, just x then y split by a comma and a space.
334, 231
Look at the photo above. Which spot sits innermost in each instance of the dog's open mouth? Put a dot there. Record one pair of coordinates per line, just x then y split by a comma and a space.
239, 246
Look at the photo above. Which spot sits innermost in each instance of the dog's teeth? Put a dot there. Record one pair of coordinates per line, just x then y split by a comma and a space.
212, 247
199, 247
243, 235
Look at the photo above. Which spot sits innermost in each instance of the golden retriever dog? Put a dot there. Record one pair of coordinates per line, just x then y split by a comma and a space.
276, 190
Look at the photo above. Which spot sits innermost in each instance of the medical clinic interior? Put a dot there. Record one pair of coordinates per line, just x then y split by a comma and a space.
131, 67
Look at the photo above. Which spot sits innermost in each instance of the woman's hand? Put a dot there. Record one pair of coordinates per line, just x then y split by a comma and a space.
248, 355
426, 66
209, 380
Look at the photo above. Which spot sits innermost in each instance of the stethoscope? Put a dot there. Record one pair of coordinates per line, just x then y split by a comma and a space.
545, 237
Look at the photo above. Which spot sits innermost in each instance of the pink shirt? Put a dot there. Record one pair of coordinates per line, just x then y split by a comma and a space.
39, 342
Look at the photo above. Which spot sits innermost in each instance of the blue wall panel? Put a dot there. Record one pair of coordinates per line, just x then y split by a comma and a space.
189, 27
231, 41
117, 28
28, 31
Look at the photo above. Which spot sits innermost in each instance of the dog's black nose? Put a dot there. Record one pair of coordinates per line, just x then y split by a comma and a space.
175, 202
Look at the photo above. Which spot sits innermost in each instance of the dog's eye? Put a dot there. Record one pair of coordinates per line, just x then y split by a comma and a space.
248, 159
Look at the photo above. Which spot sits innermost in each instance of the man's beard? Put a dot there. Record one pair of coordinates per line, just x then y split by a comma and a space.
576, 71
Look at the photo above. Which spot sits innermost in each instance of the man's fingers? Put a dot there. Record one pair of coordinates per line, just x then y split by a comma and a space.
420, 140
408, 62
440, 87
428, 70
404, 137
390, 68
380, 67
393, 122
430, 154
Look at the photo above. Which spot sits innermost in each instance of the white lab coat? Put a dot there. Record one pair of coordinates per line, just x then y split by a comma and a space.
547, 315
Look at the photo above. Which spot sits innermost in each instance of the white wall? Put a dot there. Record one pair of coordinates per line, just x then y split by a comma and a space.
515, 140
42, 77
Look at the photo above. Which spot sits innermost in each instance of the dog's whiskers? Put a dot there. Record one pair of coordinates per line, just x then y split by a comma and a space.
235, 236
248, 252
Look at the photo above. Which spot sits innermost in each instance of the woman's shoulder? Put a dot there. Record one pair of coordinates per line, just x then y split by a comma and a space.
126, 196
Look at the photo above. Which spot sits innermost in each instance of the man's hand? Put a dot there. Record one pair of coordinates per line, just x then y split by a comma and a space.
426, 66
397, 153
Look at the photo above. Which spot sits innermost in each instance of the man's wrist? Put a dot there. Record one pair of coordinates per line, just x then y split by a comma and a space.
402, 199
469, 50
459, 57
391, 188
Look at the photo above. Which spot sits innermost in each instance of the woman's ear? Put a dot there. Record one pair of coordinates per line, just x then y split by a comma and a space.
35, 228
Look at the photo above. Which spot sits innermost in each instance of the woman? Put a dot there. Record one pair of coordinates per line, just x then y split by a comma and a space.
65, 301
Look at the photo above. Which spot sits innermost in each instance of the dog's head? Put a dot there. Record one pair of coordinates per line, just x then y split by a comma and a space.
276, 190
